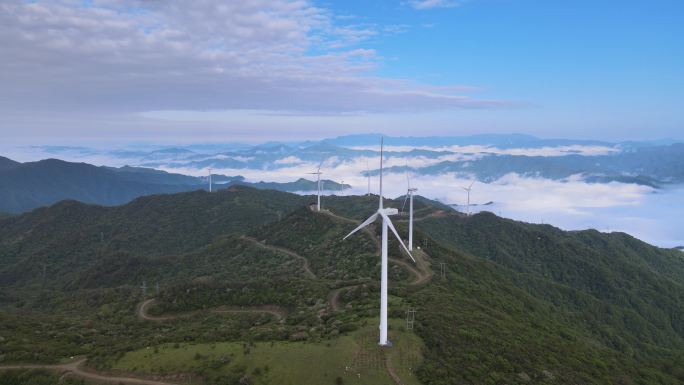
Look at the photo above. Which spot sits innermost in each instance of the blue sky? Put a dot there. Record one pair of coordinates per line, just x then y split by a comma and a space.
622, 61
260, 70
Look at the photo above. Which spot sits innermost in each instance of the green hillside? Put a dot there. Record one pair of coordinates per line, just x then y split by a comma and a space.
247, 277
30, 185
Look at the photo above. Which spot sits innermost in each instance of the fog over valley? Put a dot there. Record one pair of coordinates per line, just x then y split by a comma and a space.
571, 184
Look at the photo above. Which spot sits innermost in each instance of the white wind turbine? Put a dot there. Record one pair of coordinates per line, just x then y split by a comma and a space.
368, 176
468, 201
318, 185
209, 180
409, 195
384, 213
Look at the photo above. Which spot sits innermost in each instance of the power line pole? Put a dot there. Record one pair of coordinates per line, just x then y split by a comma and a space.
410, 318
144, 288
442, 267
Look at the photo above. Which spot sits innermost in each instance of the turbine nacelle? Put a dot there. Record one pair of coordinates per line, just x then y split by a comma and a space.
390, 211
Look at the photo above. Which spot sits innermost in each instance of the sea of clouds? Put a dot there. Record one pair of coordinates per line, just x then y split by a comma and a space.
653, 215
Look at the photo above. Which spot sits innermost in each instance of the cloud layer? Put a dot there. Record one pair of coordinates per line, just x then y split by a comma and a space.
135, 56
572, 203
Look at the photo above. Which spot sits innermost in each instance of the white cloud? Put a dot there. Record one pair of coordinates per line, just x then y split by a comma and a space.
430, 4
288, 160
135, 56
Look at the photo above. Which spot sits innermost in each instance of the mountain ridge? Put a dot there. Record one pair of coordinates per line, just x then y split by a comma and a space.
515, 298
26, 186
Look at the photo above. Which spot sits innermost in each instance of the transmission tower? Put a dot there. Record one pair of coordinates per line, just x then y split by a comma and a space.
410, 318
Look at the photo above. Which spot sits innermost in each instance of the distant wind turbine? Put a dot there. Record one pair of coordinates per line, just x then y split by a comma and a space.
384, 213
409, 195
209, 180
368, 176
318, 188
468, 201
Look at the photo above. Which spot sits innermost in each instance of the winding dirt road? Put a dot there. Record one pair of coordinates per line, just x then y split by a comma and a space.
421, 271
282, 250
76, 369
276, 311
390, 370
422, 274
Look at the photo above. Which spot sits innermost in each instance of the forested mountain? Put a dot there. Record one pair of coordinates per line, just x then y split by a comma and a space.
644, 165
25, 186
517, 302
6, 163
299, 185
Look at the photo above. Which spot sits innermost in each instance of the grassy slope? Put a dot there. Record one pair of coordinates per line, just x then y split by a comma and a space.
288, 363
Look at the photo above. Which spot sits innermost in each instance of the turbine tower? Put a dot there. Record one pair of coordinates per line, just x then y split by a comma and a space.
318, 185
368, 176
468, 201
209, 180
384, 213
409, 195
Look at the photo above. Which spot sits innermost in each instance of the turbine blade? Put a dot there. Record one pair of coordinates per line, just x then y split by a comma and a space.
404, 204
367, 222
391, 226
382, 141
471, 185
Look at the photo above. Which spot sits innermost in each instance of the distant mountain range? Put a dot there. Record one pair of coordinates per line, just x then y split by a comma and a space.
484, 157
25, 186
652, 166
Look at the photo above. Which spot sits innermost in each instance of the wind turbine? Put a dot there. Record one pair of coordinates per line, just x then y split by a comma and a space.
209, 180
468, 201
318, 174
409, 195
384, 213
